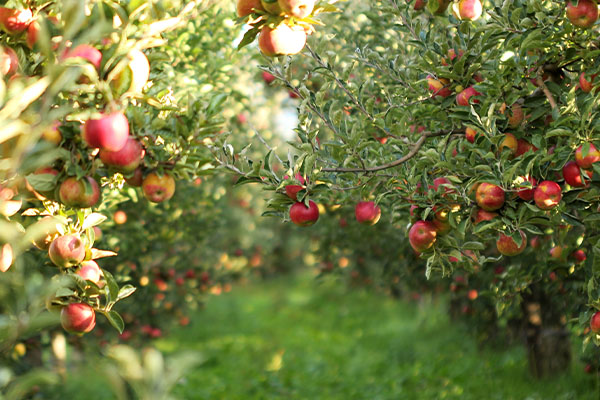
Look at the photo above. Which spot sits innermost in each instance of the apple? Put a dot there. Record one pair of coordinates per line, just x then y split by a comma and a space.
489, 197
67, 251
90, 271
437, 182
367, 213
452, 55
422, 235
524, 192
439, 87
78, 318
9, 62
584, 14
109, 132
462, 99
472, 294
52, 133
467, 10
79, 193
97, 233
547, 195
32, 34
523, 146
535, 242
509, 142
158, 188
8, 205
483, 215
268, 77
247, 7
595, 322
283, 40
516, 116
125, 160
6, 257
556, 252
304, 216
15, 21
47, 232
586, 85
292, 190
87, 52
271, 6
441, 226
572, 174
297, 8
470, 134
120, 217
419, 5
134, 76
579, 255
507, 246
592, 156
137, 178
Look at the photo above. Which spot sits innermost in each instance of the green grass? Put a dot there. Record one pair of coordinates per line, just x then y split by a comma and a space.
294, 338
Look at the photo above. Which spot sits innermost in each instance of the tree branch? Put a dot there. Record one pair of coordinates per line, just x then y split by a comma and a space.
541, 84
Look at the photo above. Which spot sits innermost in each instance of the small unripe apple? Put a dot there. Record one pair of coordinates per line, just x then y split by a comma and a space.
422, 235
283, 40
9, 62
584, 14
80, 193
125, 160
90, 271
462, 99
15, 21
524, 192
592, 156
595, 322
158, 188
78, 318
247, 7
507, 246
109, 132
304, 216
297, 8
547, 195
367, 213
572, 174
490, 197
439, 87
87, 52
67, 251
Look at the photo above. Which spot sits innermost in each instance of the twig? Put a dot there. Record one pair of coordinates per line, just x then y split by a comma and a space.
541, 84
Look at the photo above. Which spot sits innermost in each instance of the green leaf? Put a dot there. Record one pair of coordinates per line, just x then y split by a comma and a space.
115, 320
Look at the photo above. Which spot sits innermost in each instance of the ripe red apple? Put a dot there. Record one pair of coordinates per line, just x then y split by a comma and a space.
516, 116
297, 8
547, 195
292, 191
572, 174
462, 99
591, 157
125, 160
523, 146
586, 85
595, 322
472, 294
526, 193
507, 246
367, 213
304, 216
509, 142
136, 179
78, 318
584, 14
87, 52
271, 6
483, 215
439, 87
490, 197
79, 193
467, 10
452, 55
579, 255
67, 251
422, 235
15, 21
247, 7
32, 34
282, 40
470, 134
419, 5
9, 62
109, 132
268, 77
90, 271
158, 188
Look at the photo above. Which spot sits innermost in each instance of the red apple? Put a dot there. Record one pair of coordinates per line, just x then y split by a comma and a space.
109, 132
78, 318
472, 294
595, 322
586, 85
367, 213
90, 271
483, 215
523, 146
572, 174
125, 160
439, 87
247, 7
452, 55
547, 195
509, 142
467, 10
283, 40
297, 8
584, 14
462, 99
422, 235
470, 134
136, 179
32, 34
120, 217
158, 188
268, 77
304, 216
79, 193
579, 255
490, 197
15, 21
507, 246
87, 52
9, 62
516, 116
592, 156
524, 192
419, 5
67, 251
437, 182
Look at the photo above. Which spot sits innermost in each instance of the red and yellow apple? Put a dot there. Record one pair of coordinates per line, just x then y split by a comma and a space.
282, 40
158, 188
125, 160
547, 195
422, 235
302, 215
584, 14
367, 213
489, 197
462, 99
67, 251
108, 132
507, 246
79, 193
78, 318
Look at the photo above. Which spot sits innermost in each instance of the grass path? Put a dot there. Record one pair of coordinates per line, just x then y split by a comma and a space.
294, 338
